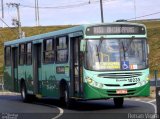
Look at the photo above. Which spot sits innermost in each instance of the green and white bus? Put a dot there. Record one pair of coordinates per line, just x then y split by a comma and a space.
87, 62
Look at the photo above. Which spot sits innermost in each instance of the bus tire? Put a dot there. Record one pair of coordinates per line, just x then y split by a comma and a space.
25, 97
118, 102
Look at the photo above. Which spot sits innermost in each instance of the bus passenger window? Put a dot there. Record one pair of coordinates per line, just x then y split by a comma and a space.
29, 53
8, 56
48, 51
22, 54
62, 49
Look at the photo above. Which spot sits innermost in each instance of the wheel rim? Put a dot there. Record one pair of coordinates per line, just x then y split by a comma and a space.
23, 93
66, 96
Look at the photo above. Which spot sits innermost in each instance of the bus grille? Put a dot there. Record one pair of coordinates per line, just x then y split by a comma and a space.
120, 75
131, 84
112, 85
117, 85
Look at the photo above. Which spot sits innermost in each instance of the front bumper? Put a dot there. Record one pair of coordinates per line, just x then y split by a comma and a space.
91, 92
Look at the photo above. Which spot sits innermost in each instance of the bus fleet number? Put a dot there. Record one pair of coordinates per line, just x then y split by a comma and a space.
134, 80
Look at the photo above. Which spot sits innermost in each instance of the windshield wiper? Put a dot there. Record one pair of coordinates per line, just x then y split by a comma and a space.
98, 49
126, 49
98, 53
124, 52
130, 44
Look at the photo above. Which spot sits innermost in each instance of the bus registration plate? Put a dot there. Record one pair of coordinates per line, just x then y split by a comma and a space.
121, 91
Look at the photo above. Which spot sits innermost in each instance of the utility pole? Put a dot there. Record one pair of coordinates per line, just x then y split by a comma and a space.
2, 12
16, 21
135, 10
37, 12
101, 6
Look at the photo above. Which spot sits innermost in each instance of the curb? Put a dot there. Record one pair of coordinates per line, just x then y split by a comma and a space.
9, 93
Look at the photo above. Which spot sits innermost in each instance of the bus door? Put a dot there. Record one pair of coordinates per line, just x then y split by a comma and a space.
15, 67
37, 59
76, 67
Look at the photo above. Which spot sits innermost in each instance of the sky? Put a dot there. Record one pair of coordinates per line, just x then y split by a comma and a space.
85, 14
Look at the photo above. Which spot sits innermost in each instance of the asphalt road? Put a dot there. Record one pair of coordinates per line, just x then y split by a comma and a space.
12, 106
52, 109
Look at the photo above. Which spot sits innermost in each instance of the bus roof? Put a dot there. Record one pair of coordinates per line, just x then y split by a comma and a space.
45, 35
61, 32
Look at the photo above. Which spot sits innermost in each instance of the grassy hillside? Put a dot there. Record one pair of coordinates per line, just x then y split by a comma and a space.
153, 28
154, 43
7, 34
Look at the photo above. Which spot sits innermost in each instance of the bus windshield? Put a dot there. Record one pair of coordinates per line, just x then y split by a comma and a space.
116, 54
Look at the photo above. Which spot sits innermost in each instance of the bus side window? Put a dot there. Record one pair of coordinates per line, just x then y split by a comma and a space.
62, 49
22, 53
8, 56
48, 51
29, 53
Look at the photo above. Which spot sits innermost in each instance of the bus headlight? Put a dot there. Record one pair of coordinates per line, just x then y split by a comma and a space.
89, 80
94, 83
147, 78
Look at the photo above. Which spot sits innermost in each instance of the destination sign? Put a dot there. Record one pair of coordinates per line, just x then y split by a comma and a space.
115, 30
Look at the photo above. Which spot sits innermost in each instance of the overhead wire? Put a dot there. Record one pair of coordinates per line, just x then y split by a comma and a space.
145, 15
78, 4
58, 7
67, 6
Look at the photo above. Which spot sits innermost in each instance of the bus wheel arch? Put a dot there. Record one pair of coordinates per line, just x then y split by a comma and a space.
22, 83
64, 94
62, 85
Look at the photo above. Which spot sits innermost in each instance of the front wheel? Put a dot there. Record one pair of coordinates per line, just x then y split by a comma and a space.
118, 102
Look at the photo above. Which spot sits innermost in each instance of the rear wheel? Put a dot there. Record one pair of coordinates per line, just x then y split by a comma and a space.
118, 102
25, 97
68, 102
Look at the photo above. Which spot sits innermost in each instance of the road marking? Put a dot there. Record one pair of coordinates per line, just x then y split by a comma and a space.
60, 113
152, 101
60, 110
155, 108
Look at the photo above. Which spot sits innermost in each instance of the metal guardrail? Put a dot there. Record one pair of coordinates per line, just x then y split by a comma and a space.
155, 83
1, 82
